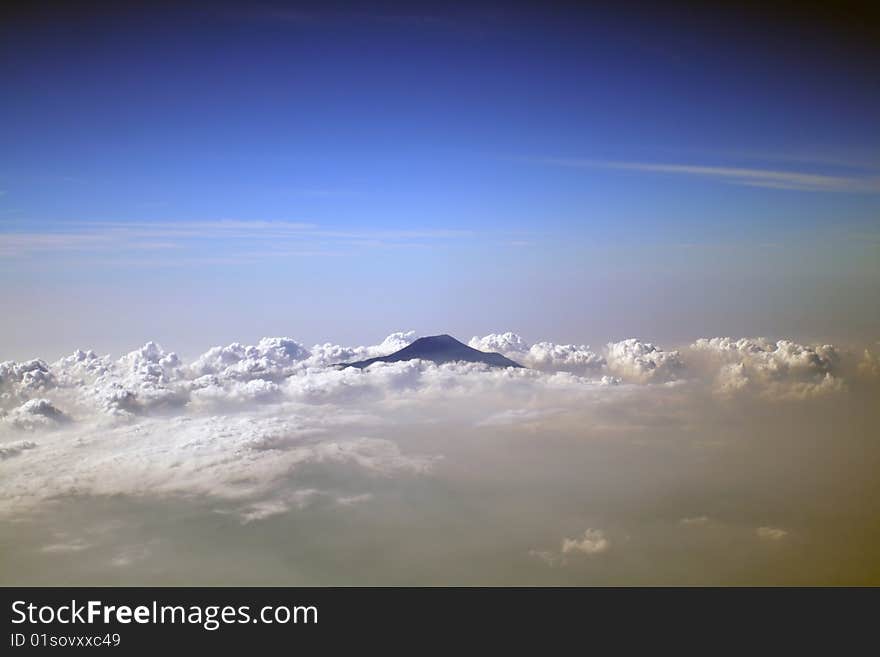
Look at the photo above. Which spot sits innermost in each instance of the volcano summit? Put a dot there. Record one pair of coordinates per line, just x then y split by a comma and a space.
438, 349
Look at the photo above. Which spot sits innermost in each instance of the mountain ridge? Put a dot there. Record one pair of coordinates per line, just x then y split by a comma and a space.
438, 349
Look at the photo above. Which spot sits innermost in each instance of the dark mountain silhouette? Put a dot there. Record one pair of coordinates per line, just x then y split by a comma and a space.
438, 349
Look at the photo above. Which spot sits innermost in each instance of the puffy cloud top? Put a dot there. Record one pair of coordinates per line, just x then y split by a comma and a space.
242, 416
542, 355
502, 343
23, 378
271, 358
782, 369
780, 359
630, 360
80, 366
635, 360
331, 354
592, 542
35, 414
150, 379
394, 342
144, 379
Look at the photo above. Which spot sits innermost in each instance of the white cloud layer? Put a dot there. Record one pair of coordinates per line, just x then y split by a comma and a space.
152, 380
241, 420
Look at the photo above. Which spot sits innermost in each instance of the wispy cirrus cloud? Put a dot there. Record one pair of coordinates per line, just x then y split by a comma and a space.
248, 239
863, 181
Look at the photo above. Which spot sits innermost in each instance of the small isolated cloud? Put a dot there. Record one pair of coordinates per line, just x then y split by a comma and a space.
696, 521
73, 545
131, 555
549, 557
298, 499
515, 416
287, 501
352, 500
771, 533
593, 541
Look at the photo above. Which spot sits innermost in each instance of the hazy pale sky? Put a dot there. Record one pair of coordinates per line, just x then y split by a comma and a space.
223, 173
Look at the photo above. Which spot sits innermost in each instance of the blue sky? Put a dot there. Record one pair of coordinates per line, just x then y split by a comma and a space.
330, 172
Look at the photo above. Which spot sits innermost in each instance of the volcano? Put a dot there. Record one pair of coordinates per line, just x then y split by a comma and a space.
438, 349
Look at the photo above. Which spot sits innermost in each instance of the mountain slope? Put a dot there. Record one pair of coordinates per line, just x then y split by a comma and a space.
438, 349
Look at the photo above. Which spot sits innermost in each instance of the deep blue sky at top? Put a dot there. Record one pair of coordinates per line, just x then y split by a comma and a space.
530, 130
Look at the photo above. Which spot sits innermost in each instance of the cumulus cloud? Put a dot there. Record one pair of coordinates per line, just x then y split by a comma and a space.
141, 381
392, 343
593, 541
22, 380
549, 557
566, 357
268, 440
634, 360
507, 344
35, 414
548, 356
214, 390
151, 380
630, 360
783, 369
223, 425
238, 422
79, 367
271, 359
326, 354
773, 370
771, 533
239, 419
